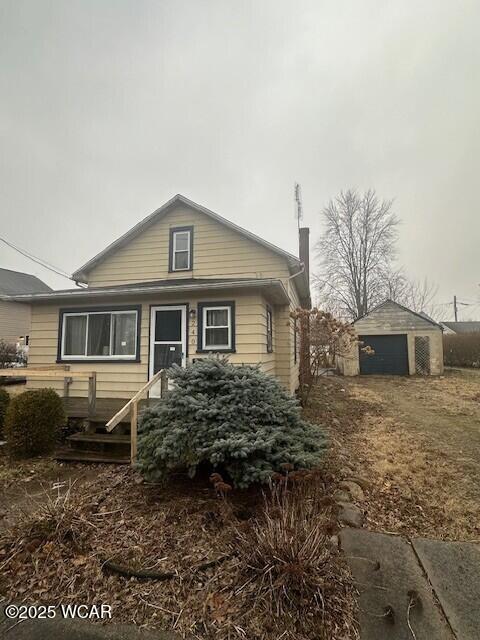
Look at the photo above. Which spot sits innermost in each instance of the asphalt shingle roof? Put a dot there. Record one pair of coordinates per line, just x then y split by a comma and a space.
16, 282
463, 327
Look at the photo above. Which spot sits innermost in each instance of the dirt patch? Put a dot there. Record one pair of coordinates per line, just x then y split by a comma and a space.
417, 443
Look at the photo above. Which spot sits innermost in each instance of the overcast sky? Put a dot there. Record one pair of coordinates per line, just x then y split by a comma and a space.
108, 108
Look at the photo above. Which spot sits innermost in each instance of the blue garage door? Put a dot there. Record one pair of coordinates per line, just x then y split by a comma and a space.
391, 355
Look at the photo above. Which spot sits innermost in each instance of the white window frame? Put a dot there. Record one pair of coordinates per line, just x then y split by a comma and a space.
187, 250
68, 314
228, 326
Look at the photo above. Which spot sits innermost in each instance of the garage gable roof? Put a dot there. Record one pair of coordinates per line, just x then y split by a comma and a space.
392, 303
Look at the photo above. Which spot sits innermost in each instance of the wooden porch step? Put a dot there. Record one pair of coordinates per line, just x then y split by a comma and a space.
76, 455
106, 438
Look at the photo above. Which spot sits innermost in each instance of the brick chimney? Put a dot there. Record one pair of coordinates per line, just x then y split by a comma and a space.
304, 248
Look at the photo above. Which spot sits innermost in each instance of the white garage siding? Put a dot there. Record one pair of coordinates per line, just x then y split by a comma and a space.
390, 318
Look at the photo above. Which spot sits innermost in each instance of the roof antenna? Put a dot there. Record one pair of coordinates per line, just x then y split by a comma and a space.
298, 203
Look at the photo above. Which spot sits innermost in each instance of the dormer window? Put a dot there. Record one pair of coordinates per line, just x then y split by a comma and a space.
181, 249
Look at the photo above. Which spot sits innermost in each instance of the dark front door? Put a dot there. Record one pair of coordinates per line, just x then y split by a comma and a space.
168, 339
390, 355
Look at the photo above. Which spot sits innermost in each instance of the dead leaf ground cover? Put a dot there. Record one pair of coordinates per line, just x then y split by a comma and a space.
23, 471
22, 480
416, 441
59, 558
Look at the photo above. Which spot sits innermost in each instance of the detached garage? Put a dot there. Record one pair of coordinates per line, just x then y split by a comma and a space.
401, 342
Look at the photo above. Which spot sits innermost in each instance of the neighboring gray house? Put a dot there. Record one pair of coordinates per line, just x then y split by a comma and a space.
460, 327
402, 342
15, 318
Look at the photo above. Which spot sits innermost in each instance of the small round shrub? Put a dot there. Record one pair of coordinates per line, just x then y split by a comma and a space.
32, 423
236, 418
4, 400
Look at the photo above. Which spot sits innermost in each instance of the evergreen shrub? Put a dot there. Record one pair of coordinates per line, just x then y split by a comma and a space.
33, 422
235, 418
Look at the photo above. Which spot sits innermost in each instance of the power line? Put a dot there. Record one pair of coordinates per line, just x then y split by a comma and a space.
465, 304
39, 261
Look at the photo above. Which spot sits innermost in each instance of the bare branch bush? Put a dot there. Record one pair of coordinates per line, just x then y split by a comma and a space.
322, 339
9, 355
462, 349
287, 553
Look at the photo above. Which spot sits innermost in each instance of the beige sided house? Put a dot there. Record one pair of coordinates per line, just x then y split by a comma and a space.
402, 342
182, 283
15, 318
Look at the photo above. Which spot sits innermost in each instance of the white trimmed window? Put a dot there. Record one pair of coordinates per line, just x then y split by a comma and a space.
216, 328
99, 335
181, 259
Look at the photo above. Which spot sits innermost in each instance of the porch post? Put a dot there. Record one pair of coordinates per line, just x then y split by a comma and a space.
92, 394
163, 383
133, 431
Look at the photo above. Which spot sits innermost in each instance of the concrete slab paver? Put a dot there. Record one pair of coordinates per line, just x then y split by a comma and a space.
388, 575
453, 569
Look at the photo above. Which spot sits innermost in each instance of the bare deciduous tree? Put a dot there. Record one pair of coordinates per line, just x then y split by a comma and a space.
357, 251
419, 295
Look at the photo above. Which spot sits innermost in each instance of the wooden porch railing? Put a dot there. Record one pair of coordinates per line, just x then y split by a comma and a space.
55, 373
132, 407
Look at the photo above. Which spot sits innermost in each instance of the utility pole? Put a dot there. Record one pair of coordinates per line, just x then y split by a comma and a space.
455, 307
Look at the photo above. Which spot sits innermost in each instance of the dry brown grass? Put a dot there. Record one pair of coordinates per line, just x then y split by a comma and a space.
61, 517
416, 441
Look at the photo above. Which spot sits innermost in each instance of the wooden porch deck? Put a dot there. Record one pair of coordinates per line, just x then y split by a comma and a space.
105, 408
96, 443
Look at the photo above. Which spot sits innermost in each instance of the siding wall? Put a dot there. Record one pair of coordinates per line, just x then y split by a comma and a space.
218, 252
285, 367
294, 366
122, 380
14, 321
